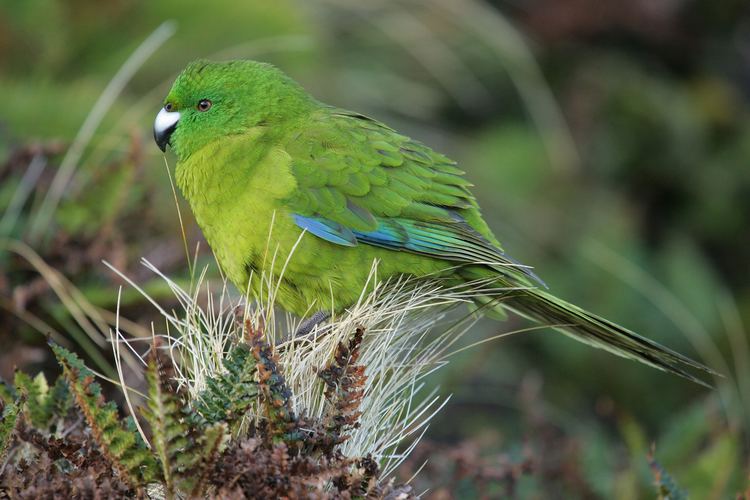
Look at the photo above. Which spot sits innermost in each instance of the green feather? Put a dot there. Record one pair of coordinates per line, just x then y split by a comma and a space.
267, 162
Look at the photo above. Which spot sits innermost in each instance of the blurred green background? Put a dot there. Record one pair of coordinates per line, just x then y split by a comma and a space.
609, 145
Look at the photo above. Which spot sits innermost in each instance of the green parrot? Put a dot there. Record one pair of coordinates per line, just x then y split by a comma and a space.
313, 194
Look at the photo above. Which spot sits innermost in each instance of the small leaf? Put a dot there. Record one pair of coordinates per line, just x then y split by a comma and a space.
228, 396
214, 441
8, 424
666, 486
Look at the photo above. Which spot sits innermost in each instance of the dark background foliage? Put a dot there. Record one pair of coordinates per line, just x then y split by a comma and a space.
609, 145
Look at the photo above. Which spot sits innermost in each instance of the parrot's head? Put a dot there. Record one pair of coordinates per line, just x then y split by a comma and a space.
210, 100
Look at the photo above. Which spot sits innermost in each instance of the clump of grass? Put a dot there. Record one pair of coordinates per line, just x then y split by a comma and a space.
236, 406
407, 328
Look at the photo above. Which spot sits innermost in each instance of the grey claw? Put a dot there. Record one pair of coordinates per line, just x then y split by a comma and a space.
310, 323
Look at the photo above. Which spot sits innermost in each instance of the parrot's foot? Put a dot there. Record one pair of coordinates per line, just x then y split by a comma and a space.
310, 323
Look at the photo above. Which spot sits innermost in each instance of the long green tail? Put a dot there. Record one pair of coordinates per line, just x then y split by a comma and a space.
594, 330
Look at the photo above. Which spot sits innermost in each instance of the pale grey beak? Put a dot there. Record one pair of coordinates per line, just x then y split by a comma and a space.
164, 124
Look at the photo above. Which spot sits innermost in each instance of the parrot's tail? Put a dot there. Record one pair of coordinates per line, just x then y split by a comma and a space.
599, 332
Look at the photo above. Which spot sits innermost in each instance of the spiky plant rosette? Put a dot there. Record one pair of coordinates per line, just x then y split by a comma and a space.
400, 331
237, 404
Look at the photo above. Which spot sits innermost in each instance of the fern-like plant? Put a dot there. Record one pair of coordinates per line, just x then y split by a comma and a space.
116, 439
10, 414
229, 394
44, 405
234, 408
189, 453
186, 445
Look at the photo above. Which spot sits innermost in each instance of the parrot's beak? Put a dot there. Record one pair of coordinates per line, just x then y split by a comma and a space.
164, 125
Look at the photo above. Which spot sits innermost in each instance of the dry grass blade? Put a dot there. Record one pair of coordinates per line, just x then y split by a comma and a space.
95, 117
88, 317
22, 192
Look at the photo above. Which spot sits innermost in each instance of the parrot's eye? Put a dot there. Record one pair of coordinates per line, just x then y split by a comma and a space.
204, 105
168, 106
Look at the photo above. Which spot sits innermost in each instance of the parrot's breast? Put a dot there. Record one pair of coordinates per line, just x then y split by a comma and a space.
235, 187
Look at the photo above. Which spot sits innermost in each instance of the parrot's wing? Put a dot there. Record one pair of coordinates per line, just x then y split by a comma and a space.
361, 182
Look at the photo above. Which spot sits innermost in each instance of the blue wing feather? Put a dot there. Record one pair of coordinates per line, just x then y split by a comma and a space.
456, 241
327, 229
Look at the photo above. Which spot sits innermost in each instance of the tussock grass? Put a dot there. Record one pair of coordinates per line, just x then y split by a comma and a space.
411, 328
